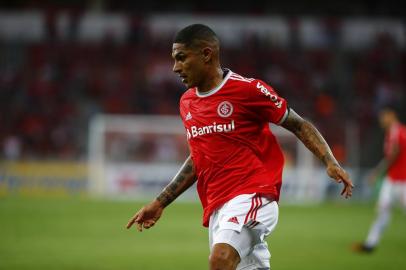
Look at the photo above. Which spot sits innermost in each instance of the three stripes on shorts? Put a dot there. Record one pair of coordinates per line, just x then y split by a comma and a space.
250, 218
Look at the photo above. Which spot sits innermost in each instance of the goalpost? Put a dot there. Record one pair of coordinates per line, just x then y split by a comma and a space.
133, 156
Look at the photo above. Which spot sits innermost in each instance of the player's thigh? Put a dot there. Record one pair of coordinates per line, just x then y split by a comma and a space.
385, 195
251, 216
241, 241
224, 256
250, 240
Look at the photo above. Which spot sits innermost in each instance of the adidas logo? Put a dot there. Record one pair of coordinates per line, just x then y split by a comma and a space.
233, 220
188, 116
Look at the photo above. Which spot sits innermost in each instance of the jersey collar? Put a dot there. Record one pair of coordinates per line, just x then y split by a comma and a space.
215, 90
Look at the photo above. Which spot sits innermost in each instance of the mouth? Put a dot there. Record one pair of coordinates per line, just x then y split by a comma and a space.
183, 78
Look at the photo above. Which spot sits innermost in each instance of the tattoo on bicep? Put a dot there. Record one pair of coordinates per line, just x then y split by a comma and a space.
180, 183
293, 122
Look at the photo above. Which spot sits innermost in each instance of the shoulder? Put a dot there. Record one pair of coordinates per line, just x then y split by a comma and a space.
248, 84
252, 83
240, 79
255, 88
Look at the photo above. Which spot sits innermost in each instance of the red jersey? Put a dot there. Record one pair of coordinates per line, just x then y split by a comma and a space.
233, 150
396, 135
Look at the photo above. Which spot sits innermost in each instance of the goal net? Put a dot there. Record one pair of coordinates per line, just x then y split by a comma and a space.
136, 156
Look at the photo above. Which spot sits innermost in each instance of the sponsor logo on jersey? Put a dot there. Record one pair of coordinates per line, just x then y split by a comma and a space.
188, 116
225, 109
195, 131
273, 97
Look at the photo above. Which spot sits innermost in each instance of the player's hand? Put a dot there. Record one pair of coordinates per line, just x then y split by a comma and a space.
147, 216
341, 176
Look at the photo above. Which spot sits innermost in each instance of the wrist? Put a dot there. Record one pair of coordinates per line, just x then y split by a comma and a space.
333, 164
330, 161
158, 204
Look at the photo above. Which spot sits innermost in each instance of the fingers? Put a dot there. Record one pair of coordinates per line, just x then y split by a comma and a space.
347, 190
341, 176
135, 219
139, 216
132, 221
148, 224
139, 226
141, 223
140, 220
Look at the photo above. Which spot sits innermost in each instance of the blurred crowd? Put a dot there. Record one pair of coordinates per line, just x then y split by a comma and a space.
49, 90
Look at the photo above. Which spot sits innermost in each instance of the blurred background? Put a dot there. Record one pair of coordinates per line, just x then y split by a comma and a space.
89, 103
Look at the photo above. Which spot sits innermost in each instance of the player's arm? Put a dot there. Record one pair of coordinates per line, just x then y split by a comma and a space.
148, 215
185, 178
315, 142
385, 163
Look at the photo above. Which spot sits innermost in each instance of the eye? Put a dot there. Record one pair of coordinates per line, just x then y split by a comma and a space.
180, 57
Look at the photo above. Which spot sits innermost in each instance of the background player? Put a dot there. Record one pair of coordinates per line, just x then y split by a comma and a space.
234, 156
394, 184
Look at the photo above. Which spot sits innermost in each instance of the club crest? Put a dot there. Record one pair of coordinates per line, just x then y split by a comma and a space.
225, 109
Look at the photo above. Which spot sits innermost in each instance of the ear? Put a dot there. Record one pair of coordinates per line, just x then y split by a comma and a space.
207, 54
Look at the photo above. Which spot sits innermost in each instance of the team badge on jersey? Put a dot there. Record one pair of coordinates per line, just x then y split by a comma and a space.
225, 109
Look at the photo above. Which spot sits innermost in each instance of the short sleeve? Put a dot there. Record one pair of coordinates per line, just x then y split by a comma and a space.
392, 139
265, 103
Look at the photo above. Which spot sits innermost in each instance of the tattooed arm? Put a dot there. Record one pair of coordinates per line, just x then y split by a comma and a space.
182, 181
148, 215
315, 142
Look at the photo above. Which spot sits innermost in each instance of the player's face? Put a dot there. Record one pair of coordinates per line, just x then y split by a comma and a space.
188, 64
386, 118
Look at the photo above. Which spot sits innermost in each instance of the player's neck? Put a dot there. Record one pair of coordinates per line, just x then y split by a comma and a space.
392, 125
395, 123
212, 80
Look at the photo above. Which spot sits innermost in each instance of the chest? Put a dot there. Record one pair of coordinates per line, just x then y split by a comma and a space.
221, 109
212, 116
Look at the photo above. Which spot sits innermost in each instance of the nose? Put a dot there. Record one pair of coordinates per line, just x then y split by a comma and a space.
176, 67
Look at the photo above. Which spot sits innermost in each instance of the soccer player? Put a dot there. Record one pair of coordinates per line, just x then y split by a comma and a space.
393, 165
234, 158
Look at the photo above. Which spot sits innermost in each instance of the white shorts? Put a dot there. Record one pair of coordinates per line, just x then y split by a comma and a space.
391, 191
243, 223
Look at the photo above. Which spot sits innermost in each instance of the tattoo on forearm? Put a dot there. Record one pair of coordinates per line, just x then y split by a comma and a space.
310, 137
182, 181
315, 142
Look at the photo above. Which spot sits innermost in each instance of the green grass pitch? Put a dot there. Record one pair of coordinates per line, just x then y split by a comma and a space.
80, 233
